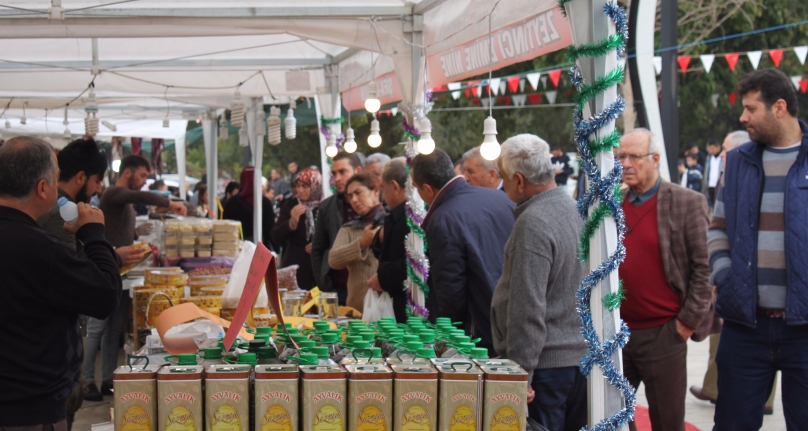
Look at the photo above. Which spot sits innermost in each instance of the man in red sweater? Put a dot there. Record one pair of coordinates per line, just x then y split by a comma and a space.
665, 278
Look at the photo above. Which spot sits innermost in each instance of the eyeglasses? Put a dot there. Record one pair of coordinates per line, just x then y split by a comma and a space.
633, 157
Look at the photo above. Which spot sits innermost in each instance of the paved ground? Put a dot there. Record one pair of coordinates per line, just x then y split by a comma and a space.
698, 413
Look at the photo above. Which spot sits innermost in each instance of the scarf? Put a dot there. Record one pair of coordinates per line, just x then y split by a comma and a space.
315, 182
247, 185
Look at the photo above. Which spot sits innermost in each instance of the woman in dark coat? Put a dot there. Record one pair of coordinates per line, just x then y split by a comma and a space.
240, 208
295, 225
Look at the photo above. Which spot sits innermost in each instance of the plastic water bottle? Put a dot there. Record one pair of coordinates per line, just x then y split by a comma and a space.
68, 210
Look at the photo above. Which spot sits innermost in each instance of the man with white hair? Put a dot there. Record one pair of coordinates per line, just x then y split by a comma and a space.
533, 319
375, 164
665, 278
480, 172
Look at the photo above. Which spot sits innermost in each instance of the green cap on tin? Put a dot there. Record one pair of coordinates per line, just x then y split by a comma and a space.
413, 346
304, 359
247, 358
427, 337
467, 346
367, 336
361, 344
307, 344
440, 320
329, 338
319, 325
479, 353
457, 339
263, 330
256, 343
321, 352
425, 352
211, 353
410, 338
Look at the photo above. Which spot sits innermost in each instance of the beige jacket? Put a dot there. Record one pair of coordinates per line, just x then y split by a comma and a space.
361, 264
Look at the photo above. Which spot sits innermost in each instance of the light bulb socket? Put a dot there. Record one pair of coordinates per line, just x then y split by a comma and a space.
372, 90
490, 126
349, 134
374, 126
166, 123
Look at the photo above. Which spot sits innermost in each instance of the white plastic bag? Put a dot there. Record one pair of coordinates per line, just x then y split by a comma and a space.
238, 277
377, 305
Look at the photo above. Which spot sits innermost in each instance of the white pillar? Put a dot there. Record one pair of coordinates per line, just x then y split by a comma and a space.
209, 134
179, 149
324, 168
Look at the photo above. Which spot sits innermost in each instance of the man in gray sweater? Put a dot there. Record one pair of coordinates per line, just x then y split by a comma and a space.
533, 319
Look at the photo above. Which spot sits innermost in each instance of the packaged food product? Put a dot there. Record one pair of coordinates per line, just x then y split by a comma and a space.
215, 290
201, 226
171, 238
187, 253
225, 236
227, 397
416, 397
370, 388
226, 226
197, 283
324, 398
203, 252
505, 398
203, 239
460, 394
208, 301
168, 277
172, 226
276, 397
172, 253
135, 400
226, 252
180, 403
188, 240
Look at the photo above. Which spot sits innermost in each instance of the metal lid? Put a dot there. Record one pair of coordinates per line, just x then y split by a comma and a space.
512, 373
459, 371
495, 362
322, 372
368, 372
276, 372
225, 372
414, 372
180, 372
124, 372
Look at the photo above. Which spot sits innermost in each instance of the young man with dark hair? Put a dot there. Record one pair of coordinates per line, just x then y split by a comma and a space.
466, 228
332, 213
230, 191
116, 203
712, 170
757, 243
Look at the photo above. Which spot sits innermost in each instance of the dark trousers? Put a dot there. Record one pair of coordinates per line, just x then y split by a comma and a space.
560, 403
711, 194
658, 358
747, 361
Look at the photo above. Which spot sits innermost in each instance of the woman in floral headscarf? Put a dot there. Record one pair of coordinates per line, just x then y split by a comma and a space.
295, 225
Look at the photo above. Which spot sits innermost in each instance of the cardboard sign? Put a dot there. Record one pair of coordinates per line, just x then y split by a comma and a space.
263, 262
184, 313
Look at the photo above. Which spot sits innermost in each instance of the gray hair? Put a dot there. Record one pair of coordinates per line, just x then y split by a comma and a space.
24, 162
654, 145
384, 159
486, 164
738, 138
528, 155
396, 171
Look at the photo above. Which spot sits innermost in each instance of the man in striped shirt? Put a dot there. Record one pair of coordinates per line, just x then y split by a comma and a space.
757, 242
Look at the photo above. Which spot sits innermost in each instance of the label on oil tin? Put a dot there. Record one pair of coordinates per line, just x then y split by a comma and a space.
180, 405
505, 406
371, 408
458, 405
135, 407
227, 405
276, 405
324, 405
417, 405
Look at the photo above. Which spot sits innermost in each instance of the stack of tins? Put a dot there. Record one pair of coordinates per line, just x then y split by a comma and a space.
206, 292
165, 287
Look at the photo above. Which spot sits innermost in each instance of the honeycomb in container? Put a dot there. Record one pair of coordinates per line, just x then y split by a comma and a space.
221, 226
167, 278
207, 301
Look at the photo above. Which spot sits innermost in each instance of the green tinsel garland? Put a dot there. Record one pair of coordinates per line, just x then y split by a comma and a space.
325, 121
331, 186
412, 136
612, 300
418, 231
561, 4
589, 91
591, 226
421, 283
596, 49
606, 143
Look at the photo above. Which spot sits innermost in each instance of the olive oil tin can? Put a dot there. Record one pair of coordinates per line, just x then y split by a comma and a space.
276, 397
370, 388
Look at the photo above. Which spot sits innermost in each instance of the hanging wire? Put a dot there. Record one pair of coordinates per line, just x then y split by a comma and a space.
490, 65
168, 106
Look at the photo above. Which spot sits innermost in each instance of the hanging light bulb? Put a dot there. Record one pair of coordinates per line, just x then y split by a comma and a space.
243, 137
290, 122
372, 104
8, 124
91, 121
426, 145
490, 147
223, 129
274, 126
350, 142
331, 149
67, 134
237, 110
374, 140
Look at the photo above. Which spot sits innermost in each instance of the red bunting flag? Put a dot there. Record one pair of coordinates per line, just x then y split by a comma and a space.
732, 60
684, 61
732, 98
554, 75
534, 98
473, 88
804, 85
504, 100
476, 102
776, 55
513, 83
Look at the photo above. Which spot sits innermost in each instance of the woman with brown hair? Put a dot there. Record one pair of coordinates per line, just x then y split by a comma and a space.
351, 248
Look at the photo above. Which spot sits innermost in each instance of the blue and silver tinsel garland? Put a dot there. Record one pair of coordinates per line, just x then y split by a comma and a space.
602, 189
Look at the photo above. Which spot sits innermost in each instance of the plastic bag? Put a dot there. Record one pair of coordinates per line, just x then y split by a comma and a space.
377, 305
238, 278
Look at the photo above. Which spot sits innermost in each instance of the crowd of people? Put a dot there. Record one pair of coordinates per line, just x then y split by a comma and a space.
716, 257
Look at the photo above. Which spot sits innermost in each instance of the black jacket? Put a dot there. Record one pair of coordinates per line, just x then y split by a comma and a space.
326, 226
43, 289
466, 229
392, 257
294, 244
240, 210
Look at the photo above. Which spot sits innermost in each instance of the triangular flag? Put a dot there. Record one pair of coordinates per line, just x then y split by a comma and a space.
658, 65
388, 112
732, 98
519, 100
715, 100
504, 100
796, 80
395, 110
513, 83
684, 61
486, 101
754, 58
475, 102
533, 79
801, 52
707, 61
468, 92
544, 81
494, 85
454, 86
521, 85
554, 75
502, 86
534, 98
551, 96
732, 60
474, 88
776, 55
479, 90
804, 85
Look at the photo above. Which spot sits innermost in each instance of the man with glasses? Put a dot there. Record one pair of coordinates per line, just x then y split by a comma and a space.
665, 278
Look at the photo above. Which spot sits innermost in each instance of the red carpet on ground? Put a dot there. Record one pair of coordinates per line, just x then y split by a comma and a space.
643, 421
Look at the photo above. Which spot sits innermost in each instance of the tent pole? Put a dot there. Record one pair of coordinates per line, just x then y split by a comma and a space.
209, 134
326, 171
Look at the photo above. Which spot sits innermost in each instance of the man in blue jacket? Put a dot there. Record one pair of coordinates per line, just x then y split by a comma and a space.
466, 229
757, 242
